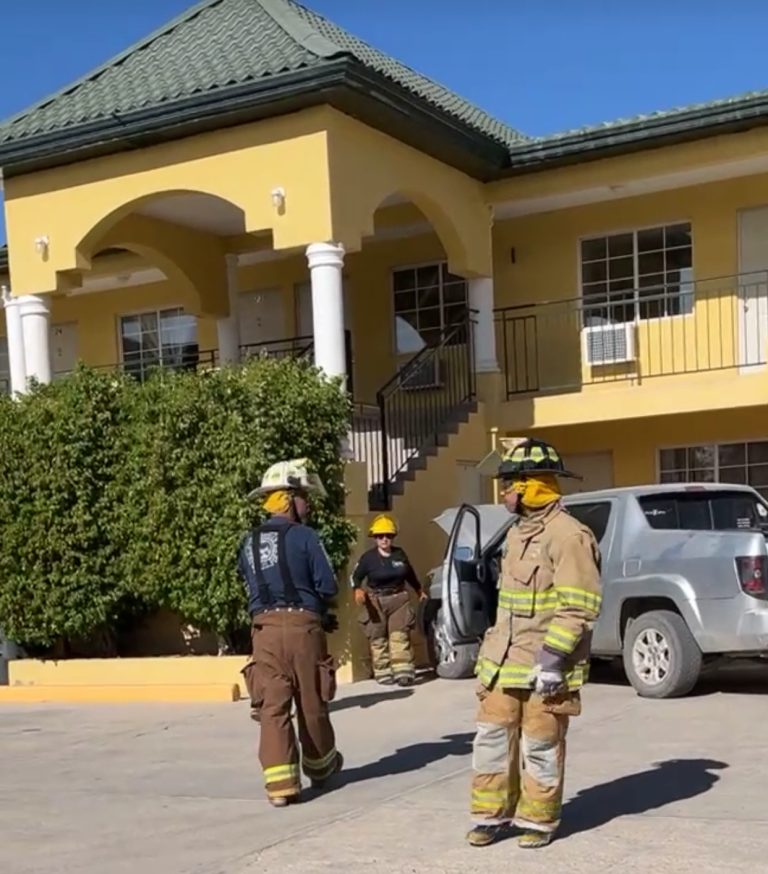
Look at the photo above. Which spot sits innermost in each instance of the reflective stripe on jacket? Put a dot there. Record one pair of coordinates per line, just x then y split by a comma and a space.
549, 598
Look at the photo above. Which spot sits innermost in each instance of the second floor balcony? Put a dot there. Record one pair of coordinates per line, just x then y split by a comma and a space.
635, 336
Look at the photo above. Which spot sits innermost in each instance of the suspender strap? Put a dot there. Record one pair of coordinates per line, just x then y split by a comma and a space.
265, 596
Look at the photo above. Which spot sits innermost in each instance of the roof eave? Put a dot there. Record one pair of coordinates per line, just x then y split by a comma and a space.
343, 83
641, 135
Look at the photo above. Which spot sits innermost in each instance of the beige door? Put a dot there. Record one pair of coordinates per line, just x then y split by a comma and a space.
469, 482
63, 348
262, 317
596, 468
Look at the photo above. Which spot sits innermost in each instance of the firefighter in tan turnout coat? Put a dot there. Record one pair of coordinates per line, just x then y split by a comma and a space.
535, 659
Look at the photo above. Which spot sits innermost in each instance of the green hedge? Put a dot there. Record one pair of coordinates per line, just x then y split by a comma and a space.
119, 498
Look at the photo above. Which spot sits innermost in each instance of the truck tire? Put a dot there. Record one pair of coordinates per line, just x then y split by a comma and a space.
661, 656
451, 662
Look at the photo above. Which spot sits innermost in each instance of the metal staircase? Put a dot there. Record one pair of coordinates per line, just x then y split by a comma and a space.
415, 414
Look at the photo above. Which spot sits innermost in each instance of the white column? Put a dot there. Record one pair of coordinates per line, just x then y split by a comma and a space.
228, 329
481, 301
15, 336
326, 262
35, 324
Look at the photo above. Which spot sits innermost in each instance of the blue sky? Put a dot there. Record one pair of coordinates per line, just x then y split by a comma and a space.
540, 65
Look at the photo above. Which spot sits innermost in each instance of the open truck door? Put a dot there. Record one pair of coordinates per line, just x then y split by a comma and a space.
465, 598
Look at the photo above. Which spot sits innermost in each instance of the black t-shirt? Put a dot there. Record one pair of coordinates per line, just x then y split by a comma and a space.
385, 571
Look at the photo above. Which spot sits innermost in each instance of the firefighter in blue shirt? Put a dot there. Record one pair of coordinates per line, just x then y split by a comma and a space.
290, 583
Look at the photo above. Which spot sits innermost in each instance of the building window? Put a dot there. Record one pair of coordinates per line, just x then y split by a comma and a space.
167, 338
644, 274
429, 301
744, 463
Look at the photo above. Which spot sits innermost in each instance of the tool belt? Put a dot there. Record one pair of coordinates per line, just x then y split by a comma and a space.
283, 610
386, 591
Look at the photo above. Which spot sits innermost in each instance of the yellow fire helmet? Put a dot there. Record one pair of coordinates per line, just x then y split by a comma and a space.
383, 525
290, 475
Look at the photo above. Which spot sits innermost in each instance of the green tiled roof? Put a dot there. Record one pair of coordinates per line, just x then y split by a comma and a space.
642, 131
217, 46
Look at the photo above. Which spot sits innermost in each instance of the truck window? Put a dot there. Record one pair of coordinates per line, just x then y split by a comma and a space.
594, 515
704, 511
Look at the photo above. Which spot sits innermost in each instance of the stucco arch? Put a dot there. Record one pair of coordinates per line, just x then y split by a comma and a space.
93, 240
368, 168
193, 260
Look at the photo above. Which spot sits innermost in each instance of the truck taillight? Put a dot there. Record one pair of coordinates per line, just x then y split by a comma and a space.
753, 574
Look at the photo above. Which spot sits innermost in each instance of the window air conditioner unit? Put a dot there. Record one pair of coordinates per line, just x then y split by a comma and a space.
609, 343
424, 375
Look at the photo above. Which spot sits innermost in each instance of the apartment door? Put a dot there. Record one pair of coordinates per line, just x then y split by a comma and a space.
753, 286
262, 318
470, 483
63, 339
596, 468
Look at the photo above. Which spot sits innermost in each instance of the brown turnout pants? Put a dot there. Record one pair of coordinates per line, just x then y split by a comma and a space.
290, 664
517, 728
387, 621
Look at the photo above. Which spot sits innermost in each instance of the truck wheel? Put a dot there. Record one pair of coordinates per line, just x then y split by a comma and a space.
661, 656
451, 662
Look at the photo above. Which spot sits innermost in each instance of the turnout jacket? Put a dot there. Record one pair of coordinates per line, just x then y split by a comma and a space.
549, 599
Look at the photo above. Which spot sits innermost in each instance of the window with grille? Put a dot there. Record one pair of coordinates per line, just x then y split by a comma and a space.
428, 302
644, 274
744, 463
166, 338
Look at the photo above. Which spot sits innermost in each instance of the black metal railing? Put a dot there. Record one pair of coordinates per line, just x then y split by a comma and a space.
635, 334
291, 347
365, 446
417, 404
140, 367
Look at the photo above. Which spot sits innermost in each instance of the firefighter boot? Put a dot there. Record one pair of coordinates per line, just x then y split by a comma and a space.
532, 840
484, 835
320, 784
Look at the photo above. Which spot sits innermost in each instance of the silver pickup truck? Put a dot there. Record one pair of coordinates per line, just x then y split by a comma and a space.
685, 581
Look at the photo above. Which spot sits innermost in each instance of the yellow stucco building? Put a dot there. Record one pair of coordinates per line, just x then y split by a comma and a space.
251, 178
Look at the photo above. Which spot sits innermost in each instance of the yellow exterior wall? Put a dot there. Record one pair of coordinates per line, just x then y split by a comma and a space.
367, 167
76, 205
608, 173
546, 269
436, 488
634, 444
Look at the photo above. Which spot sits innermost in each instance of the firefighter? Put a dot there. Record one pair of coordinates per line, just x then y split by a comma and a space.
535, 659
290, 584
386, 614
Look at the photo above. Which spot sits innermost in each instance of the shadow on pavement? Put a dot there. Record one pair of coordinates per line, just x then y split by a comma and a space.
736, 678
406, 759
667, 782
369, 700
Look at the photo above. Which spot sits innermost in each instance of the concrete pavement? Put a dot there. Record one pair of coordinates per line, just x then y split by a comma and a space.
671, 786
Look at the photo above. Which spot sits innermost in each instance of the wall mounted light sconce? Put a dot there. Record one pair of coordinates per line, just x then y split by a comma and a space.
41, 246
278, 199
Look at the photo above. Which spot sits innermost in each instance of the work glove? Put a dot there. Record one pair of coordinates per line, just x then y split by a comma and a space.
329, 623
360, 597
546, 681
